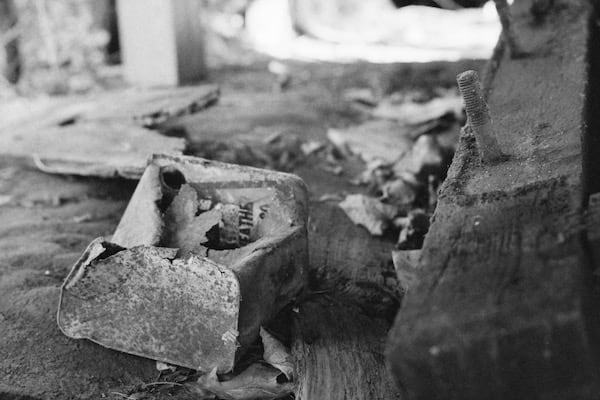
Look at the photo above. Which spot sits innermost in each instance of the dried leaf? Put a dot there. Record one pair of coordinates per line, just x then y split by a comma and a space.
412, 113
414, 229
257, 382
369, 212
373, 140
277, 354
399, 192
406, 264
183, 229
426, 153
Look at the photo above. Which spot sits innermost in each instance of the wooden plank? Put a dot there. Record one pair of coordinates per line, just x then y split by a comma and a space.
161, 41
339, 351
105, 149
150, 108
505, 305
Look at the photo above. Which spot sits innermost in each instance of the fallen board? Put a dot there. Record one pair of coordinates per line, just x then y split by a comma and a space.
506, 305
105, 149
151, 108
146, 107
102, 135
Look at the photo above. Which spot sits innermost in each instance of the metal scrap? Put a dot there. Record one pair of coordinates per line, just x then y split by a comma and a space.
248, 222
148, 302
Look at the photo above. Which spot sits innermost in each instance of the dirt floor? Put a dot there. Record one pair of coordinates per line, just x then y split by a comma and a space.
47, 220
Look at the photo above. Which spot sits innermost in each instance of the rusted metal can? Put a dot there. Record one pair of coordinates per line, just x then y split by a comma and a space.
204, 254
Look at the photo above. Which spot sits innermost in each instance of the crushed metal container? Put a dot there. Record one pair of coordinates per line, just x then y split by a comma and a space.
205, 254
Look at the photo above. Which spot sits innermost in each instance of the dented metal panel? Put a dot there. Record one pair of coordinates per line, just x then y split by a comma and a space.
147, 302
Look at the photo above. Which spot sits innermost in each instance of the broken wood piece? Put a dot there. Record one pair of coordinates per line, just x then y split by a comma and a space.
105, 149
272, 256
146, 107
148, 302
150, 107
505, 304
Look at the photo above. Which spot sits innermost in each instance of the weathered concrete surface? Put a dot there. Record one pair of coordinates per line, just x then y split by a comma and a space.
45, 225
506, 303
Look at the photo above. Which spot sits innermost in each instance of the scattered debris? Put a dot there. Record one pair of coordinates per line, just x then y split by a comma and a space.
407, 154
373, 140
426, 156
413, 229
406, 264
369, 212
414, 113
257, 382
191, 217
275, 150
276, 354
148, 107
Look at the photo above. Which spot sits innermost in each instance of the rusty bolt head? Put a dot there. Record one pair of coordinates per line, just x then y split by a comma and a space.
478, 116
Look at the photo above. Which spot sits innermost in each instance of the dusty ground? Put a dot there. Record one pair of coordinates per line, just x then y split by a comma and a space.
46, 221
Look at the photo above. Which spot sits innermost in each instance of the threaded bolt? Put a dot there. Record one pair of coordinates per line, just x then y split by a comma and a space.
508, 30
478, 117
